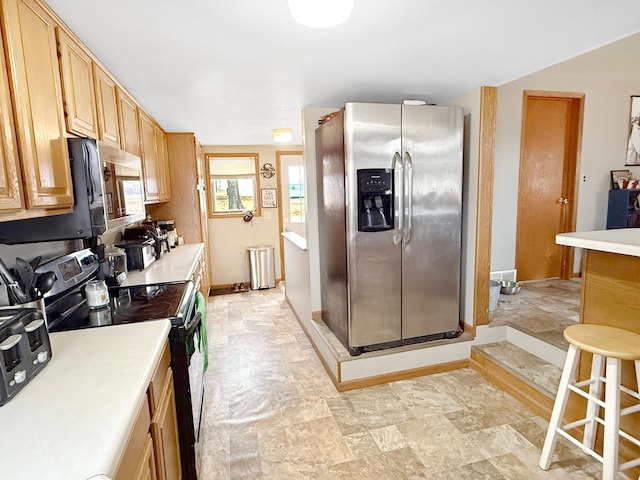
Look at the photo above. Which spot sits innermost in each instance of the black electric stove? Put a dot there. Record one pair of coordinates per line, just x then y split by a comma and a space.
140, 303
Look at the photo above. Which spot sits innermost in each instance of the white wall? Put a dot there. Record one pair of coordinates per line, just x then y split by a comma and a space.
230, 237
604, 138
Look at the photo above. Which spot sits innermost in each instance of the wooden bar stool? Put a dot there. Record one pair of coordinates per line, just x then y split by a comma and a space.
609, 347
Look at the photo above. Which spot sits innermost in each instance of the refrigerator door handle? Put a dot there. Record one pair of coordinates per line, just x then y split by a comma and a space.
398, 172
408, 190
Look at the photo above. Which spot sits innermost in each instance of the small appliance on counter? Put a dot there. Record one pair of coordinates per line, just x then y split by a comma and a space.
115, 266
168, 227
148, 232
140, 253
24, 349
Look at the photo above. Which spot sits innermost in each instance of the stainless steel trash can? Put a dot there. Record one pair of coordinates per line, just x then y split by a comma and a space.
262, 266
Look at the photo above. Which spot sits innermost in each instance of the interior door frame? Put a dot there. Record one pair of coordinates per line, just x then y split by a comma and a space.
279, 154
570, 168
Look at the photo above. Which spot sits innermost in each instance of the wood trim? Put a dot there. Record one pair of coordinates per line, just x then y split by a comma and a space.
533, 399
484, 207
280, 153
258, 206
402, 375
316, 316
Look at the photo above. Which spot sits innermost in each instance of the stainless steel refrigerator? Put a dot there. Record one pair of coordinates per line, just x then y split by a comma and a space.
389, 214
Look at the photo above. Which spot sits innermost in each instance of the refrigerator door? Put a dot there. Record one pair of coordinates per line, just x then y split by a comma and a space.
432, 154
372, 138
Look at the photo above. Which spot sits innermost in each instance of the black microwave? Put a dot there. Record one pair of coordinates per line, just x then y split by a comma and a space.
88, 217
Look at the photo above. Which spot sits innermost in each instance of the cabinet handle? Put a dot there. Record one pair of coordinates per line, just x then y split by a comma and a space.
562, 201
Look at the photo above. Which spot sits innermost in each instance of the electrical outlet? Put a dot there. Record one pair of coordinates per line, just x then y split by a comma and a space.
584, 179
267, 215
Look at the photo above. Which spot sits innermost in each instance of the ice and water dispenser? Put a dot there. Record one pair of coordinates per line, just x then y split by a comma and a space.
375, 199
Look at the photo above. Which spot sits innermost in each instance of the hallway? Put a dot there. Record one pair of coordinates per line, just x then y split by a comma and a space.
271, 412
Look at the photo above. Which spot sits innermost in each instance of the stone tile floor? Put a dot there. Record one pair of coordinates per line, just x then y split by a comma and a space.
542, 309
271, 412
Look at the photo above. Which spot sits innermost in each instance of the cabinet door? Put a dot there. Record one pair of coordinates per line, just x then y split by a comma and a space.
147, 468
149, 158
107, 107
10, 197
37, 101
164, 430
164, 181
128, 117
77, 87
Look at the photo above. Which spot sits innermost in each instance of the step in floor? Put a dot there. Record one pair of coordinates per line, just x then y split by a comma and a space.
539, 374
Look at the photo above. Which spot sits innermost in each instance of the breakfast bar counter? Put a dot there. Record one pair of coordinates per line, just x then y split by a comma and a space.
610, 296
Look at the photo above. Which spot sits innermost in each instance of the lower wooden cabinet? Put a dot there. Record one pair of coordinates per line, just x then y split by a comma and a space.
152, 451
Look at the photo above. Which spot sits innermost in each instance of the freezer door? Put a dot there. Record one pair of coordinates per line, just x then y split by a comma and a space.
372, 137
432, 153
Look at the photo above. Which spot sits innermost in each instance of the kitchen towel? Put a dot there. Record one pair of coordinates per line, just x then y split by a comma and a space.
203, 346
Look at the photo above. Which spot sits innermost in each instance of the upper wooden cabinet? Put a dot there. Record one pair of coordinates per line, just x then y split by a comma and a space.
150, 171
30, 41
164, 180
128, 116
107, 107
77, 87
10, 177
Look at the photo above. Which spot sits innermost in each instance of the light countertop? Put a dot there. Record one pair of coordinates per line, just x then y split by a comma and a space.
176, 266
72, 420
625, 241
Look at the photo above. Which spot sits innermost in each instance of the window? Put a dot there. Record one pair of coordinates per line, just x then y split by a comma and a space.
296, 194
233, 183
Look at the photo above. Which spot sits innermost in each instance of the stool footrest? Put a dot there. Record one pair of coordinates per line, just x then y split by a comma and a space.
582, 393
579, 444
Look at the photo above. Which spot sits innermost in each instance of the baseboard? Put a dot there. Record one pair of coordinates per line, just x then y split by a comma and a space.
316, 316
402, 375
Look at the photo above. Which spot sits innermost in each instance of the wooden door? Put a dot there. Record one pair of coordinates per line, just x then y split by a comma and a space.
77, 87
551, 134
149, 158
128, 123
10, 177
107, 107
37, 101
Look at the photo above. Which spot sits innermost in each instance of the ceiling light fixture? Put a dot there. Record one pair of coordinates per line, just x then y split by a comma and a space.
321, 13
282, 135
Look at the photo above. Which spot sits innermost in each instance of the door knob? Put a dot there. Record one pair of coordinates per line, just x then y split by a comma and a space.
562, 201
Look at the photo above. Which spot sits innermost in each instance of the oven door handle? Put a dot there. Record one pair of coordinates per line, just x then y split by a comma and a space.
193, 325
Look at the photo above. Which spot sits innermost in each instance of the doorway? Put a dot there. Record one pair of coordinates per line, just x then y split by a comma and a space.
291, 185
547, 188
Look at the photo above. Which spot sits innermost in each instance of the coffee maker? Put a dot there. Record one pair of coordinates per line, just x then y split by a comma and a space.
167, 227
115, 265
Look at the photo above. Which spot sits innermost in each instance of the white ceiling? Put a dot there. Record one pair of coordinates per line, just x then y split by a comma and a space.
232, 70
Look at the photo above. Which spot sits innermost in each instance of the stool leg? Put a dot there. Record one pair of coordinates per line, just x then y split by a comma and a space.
595, 391
568, 374
611, 420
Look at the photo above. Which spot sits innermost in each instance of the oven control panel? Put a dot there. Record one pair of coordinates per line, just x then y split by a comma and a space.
70, 270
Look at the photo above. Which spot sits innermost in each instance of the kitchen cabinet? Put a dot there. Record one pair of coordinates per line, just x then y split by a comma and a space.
128, 123
138, 460
623, 210
155, 164
10, 178
164, 424
107, 107
188, 203
164, 181
152, 450
30, 41
78, 87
